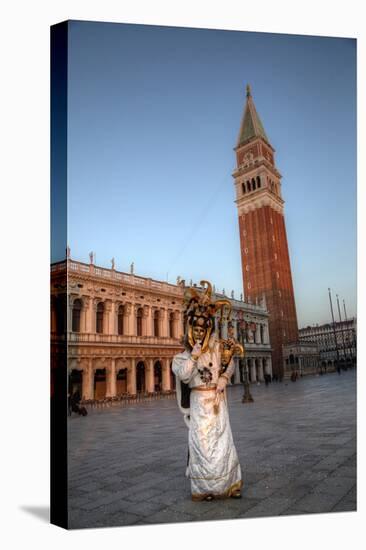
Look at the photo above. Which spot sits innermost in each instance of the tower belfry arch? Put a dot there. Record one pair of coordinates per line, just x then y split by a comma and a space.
263, 241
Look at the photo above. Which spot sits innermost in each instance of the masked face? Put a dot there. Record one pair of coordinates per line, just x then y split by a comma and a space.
226, 357
199, 334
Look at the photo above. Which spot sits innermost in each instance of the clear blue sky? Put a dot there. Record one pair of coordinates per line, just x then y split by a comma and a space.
154, 114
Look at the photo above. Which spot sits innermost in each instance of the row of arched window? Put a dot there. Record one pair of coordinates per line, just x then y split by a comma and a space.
121, 328
273, 186
255, 183
251, 185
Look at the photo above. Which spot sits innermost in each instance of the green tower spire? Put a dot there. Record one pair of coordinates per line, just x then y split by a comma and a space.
251, 125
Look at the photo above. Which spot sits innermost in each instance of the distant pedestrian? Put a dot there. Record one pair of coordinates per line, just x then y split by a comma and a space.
75, 406
69, 409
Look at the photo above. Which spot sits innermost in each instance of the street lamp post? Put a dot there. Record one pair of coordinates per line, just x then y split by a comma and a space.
350, 334
334, 332
341, 327
247, 397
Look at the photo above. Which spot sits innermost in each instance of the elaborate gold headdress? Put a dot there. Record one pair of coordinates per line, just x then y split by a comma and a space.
201, 310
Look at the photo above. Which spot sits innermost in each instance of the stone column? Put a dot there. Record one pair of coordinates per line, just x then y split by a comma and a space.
93, 315
134, 320
147, 322
237, 371
253, 371
130, 319
164, 313
300, 365
89, 311
265, 365
125, 319
111, 385
179, 329
88, 380
149, 374
260, 370
257, 335
106, 316
269, 362
166, 375
265, 334
161, 322
113, 318
84, 313
131, 377
176, 319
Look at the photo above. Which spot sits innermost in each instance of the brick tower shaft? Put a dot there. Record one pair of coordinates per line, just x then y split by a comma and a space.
263, 240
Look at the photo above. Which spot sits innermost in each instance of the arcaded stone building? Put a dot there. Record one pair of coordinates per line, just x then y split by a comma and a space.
123, 330
301, 358
336, 341
263, 241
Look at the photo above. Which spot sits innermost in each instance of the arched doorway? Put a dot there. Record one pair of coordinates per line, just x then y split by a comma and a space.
158, 377
140, 377
100, 384
121, 381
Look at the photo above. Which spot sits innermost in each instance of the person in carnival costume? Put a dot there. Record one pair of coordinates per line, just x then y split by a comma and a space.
203, 370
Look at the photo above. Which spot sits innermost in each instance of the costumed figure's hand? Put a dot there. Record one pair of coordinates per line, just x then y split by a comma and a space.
221, 384
196, 351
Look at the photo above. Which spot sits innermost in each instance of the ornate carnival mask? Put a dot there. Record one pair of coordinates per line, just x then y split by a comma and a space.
200, 312
229, 348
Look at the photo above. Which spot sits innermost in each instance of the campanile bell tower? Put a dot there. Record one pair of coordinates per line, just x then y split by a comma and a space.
263, 242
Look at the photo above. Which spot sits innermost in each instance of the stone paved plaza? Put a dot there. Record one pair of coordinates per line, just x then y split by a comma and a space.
296, 445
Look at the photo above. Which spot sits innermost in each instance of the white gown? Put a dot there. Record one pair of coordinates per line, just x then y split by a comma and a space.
213, 466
